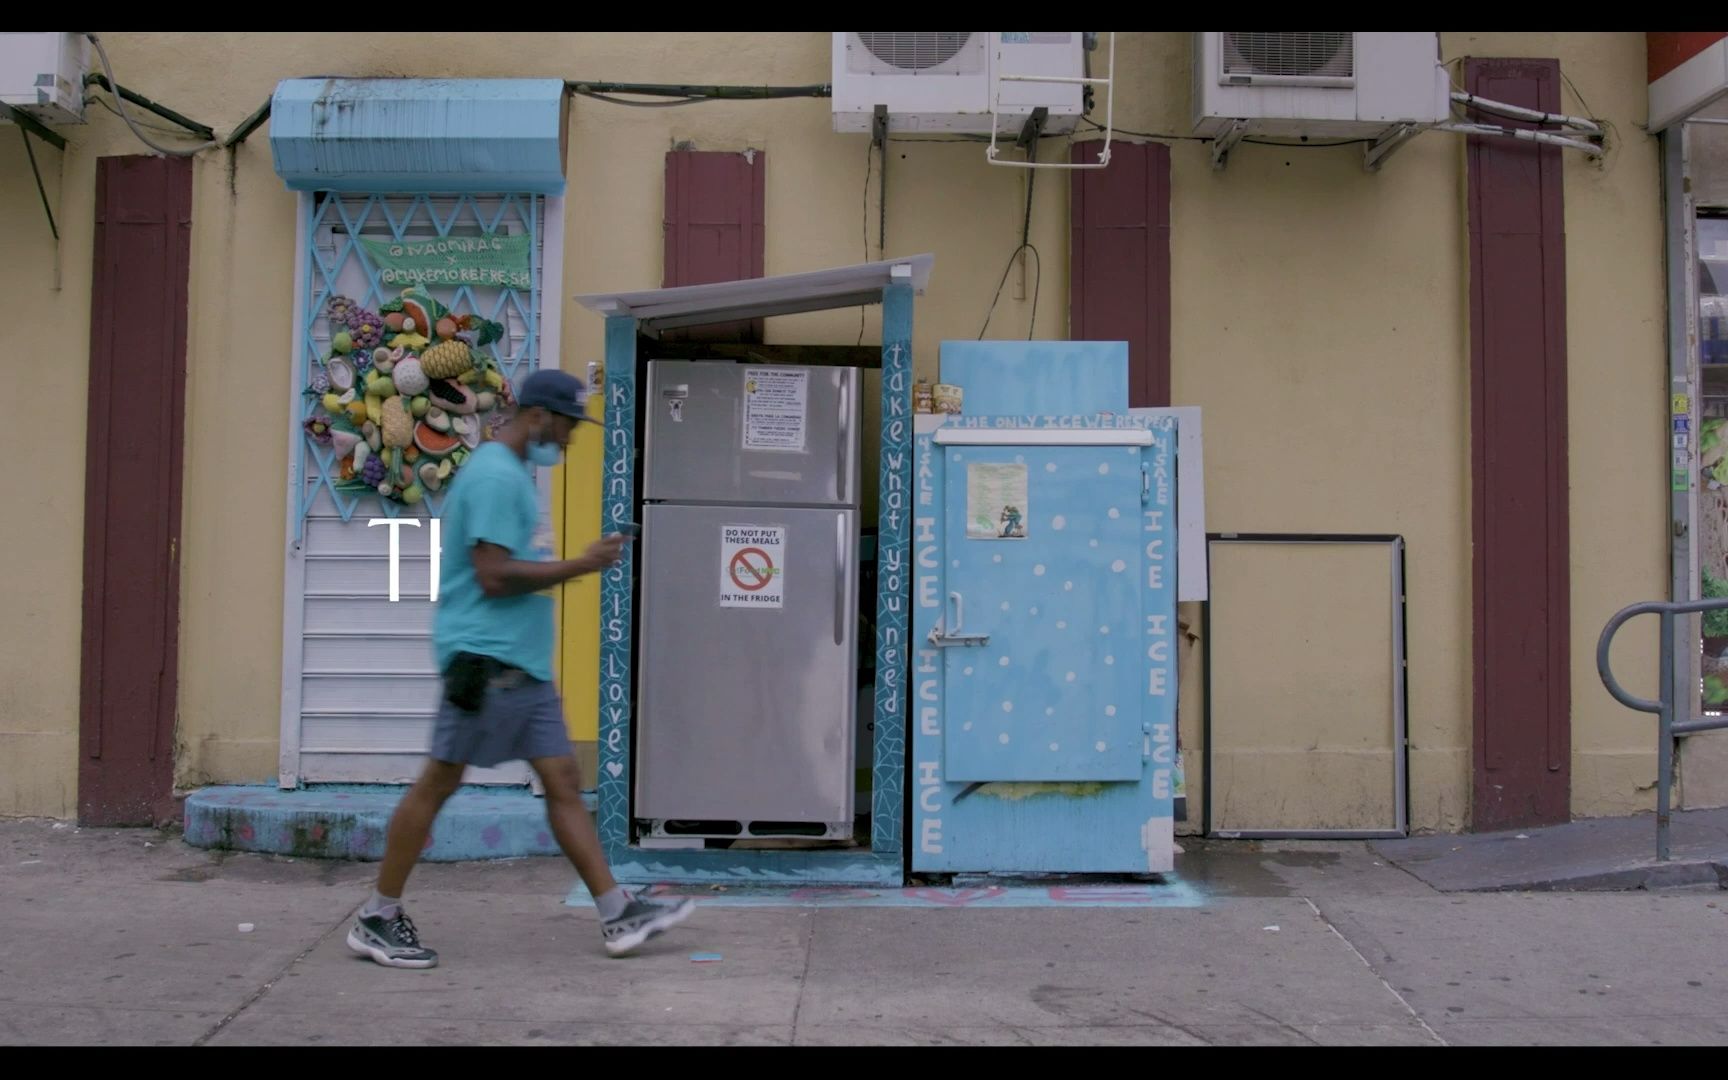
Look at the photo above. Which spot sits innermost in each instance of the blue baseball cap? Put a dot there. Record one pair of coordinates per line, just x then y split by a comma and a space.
557, 392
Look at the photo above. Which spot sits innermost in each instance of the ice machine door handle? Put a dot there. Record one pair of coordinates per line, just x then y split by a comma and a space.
947, 639
840, 579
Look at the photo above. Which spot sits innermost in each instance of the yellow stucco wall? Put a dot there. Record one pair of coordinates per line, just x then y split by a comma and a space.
1320, 318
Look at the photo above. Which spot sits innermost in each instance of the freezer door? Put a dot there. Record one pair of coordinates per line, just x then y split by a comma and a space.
1048, 564
750, 435
747, 684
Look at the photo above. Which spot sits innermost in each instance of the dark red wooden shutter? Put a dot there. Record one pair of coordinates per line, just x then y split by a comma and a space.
132, 484
1119, 263
715, 205
1522, 610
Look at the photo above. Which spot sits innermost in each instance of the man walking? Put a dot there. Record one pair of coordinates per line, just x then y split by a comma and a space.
493, 639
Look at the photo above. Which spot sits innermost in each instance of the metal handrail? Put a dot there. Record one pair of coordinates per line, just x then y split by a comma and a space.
1668, 730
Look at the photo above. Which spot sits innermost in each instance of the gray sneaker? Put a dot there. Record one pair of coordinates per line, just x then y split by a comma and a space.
391, 941
643, 919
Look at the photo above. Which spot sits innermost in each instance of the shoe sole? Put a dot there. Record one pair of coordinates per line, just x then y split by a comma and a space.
361, 947
637, 938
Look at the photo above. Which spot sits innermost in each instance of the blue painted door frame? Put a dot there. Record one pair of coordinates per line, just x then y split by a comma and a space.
883, 863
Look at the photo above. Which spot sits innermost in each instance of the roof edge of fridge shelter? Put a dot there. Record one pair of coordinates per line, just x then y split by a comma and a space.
757, 298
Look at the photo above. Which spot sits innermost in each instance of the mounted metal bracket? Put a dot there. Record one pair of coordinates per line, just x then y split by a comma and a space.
1376, 153
1223, 144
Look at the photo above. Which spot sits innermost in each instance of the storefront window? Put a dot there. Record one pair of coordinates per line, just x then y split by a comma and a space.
1712, 239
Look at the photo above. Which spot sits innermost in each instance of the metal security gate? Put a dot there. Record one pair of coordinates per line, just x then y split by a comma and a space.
359, 684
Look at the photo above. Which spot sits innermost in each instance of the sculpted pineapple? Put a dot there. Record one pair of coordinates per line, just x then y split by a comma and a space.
446, 360
398, 425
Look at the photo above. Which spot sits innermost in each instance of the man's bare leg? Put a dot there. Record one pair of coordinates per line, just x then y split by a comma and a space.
625, 921
572, 825
383, 932
411, 824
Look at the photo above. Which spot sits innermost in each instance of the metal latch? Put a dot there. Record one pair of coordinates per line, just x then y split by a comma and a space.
949, 640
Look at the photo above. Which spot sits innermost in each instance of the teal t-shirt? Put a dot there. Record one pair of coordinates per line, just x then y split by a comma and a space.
493, 500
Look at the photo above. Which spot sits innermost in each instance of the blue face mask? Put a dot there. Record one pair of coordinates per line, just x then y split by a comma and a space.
544, 454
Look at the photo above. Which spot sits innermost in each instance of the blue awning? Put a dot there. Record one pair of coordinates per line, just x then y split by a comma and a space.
430, 136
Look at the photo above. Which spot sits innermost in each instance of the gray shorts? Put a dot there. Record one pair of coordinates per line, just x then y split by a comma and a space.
518, 723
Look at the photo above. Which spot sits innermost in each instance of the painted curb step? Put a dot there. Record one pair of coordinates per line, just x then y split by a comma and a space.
349, 822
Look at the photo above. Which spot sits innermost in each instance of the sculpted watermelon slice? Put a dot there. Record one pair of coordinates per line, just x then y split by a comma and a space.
433, 442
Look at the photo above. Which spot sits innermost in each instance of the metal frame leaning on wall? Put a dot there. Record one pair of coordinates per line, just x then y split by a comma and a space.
1400, 694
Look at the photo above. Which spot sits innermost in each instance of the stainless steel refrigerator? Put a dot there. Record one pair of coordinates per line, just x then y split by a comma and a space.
746, 691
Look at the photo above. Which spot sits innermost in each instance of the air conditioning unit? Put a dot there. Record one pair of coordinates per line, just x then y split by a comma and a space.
944, 80
1325, 84
43, 75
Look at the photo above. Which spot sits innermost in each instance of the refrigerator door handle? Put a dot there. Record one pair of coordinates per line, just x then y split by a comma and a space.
843, 478
840, 579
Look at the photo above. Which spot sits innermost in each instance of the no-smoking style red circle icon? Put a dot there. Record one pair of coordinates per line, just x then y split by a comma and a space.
751, 569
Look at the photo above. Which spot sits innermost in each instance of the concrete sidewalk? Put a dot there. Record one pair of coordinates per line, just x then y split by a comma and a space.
134, 938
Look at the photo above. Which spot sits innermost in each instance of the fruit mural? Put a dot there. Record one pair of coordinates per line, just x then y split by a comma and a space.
405, 394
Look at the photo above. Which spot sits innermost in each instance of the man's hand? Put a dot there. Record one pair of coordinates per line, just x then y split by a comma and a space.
500, 576
605, 552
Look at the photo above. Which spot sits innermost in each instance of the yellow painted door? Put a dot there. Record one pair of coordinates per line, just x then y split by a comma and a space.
576, 510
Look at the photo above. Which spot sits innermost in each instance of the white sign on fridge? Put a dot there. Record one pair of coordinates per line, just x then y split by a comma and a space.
776, 401
753, 566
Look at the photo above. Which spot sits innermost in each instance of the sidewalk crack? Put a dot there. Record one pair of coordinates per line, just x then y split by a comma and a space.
258, 994
804, 976
1390, 989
